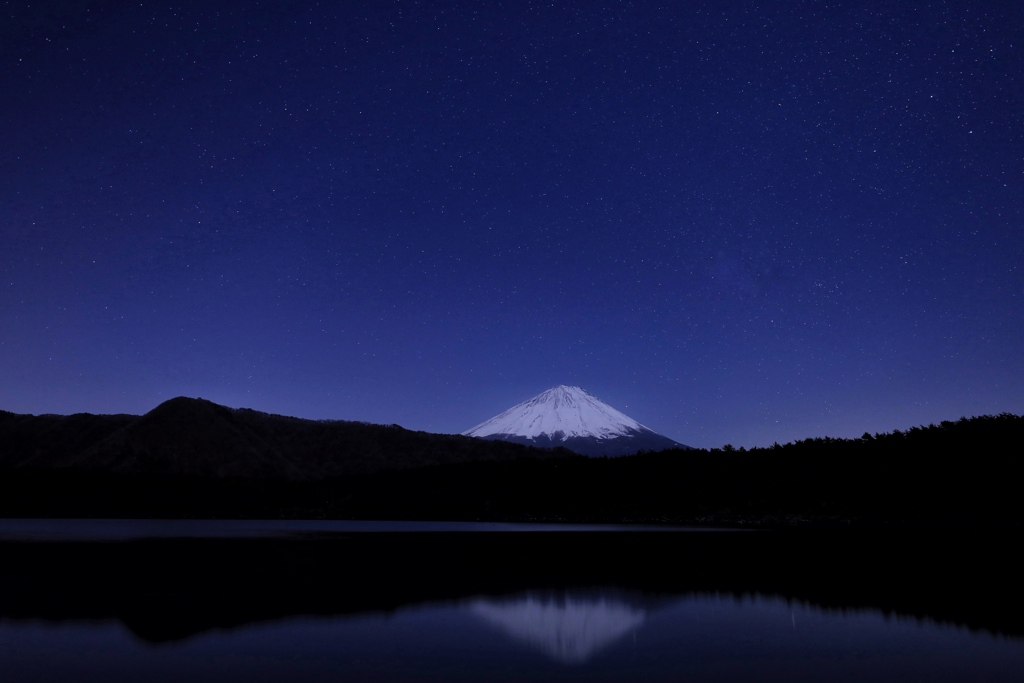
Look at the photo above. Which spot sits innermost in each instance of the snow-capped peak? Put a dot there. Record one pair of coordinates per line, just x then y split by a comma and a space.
560, 413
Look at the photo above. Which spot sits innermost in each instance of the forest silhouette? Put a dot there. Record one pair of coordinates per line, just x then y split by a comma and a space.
193, 458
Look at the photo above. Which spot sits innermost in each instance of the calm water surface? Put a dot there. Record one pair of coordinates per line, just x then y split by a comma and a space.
112, 529
419, 607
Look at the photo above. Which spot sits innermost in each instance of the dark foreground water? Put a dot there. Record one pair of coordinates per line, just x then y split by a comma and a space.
253, 601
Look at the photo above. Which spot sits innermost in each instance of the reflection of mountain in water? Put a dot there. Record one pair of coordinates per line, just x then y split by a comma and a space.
570, 627
173, 588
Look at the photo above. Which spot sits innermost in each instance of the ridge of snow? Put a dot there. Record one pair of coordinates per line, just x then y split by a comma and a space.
560, 413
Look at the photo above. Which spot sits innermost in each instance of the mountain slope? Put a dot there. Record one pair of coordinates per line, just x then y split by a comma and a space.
573, 418
188, 437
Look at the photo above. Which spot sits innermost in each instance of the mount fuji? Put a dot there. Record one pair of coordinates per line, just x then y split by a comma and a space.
571, 417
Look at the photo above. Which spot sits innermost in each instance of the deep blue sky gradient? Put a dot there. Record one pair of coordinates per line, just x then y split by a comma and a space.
736, 222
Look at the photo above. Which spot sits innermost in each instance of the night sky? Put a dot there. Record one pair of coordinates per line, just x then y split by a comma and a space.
737, 222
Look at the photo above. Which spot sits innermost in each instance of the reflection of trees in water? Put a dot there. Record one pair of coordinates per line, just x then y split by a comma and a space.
570, 627
174, 588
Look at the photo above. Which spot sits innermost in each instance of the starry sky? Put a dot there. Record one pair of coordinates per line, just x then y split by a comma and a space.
738, 222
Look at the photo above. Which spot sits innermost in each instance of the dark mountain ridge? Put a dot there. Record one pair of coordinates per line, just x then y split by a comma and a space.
193, 458
190, 437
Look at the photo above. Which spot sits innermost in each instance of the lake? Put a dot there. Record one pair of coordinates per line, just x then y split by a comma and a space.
117, 600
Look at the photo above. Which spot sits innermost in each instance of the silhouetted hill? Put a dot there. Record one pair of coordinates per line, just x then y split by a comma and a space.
187, 437
192, 458
38, 441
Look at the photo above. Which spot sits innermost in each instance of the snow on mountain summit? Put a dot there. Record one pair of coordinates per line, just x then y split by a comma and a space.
571, 417
560, 413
